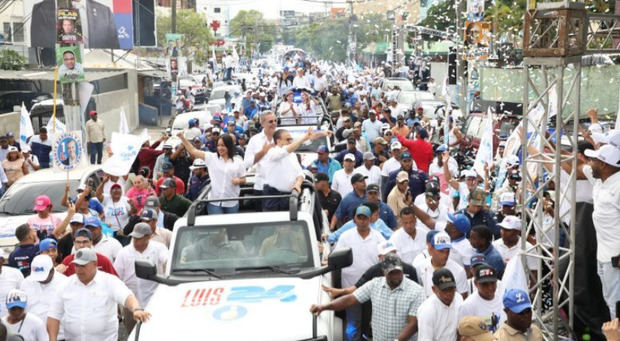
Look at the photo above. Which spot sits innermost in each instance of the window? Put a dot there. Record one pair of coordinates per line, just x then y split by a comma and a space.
7, 32
18, 32
217, 10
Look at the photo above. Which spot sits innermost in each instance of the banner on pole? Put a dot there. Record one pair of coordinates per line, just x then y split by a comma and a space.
25, 128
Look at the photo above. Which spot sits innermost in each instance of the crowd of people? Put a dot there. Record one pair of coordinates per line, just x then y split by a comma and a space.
430, 239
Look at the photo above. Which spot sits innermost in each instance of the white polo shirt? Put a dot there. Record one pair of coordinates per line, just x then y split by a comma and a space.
424, 269
438, 322
10, 278
254, 146
31, 328
88, 312
509, 252
341, 182
281, 169
221, 173
491, 310
373, 174
364, 253
40, 296
408, 248
155, 253
463, 251
108, 247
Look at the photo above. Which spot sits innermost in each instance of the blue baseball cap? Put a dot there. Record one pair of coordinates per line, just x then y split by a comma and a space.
362, 210
460, 221
430, 235
16, 298
322, 149
441, 148
94, 204
517, 300
441, 241
92, 221
47, 244
477, 259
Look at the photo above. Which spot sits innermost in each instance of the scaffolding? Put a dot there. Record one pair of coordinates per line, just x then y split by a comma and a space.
556, 36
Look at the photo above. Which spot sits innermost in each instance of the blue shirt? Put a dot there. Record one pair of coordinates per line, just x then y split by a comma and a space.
378, 225
417, 183
330, 168
250, 112
494, 259
387, 215
348, 205
22, 256
195, 185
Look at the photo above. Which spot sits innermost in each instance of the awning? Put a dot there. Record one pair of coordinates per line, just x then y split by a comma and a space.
48, 75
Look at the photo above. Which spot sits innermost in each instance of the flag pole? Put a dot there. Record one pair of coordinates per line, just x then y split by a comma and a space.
54, 106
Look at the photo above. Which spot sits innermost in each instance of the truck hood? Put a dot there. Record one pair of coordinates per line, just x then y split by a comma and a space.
269, 309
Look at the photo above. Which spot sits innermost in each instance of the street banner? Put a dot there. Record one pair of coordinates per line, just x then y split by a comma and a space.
69, 27
125, 148
67, 151
485, 150
25, 128
477, 40
70, 60
475, 10
174, 44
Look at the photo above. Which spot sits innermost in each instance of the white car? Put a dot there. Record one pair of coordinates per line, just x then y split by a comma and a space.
16, 205
181, 121
217, 94
408, 98
230, 277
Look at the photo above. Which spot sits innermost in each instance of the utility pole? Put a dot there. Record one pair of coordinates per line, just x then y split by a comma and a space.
461, 63
173, 16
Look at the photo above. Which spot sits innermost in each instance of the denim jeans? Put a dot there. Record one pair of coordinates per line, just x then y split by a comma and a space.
610, 280
213, 209
95, 149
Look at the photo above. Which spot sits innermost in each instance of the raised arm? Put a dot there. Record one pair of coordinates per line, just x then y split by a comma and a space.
193, 151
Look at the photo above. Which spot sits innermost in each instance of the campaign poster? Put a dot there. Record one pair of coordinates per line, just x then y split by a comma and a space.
174, 68
477, 36
67, 150
174, 45
105, 24
475, 10
69, 27
69, 61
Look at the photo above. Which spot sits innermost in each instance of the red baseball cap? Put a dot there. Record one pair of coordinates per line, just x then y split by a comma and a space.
93, 112
42, 202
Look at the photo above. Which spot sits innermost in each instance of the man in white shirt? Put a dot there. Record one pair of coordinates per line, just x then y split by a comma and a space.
145, 249
29, 326
102, 244
43, 284
301, 80
10, 278
604, 174
281, 168
408, 239
320, 83
369, 169
87, 303
438, 315
509, 245
372, 126
363, 241
439, 251
485, 302
341, 182
258, 146
392, 164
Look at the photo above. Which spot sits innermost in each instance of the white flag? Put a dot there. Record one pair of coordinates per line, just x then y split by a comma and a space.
58, 129
125, 148
25, 127
514, 275
485, 150
123, 127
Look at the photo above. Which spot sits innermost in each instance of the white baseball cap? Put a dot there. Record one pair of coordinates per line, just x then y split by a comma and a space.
396, 145
611, 137
607, 153
511, 222
40, 267
198, 163
385, 247
507, 199
350, 157
469, 173
512, 160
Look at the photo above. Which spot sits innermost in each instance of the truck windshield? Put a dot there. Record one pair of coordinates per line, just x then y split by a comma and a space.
281, 244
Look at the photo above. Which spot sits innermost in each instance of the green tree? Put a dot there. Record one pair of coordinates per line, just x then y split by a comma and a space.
197, 35
252, 27
441, 16
11, 60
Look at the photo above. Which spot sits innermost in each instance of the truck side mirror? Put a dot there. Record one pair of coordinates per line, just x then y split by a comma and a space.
339, 259
145, 270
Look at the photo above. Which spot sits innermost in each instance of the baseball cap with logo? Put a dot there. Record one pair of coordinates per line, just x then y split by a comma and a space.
358, 177
517, 300
431, 188
198, 163
349, 157
148, 214
322, 149
507, 199
42, 202
362, 210
485, 274
441, 241
168, 183
477, 197
402, 176
390, 263
477, 259
167, 166
474, 328
40, 267
385, 247
13, 149
47, 244
92, 221
372, 188
443, 279
141, 230
16, 298
406, 155
321, 177
607, 153
396, 145
151, 202
511, 222
84, 256
83, 232
460, 221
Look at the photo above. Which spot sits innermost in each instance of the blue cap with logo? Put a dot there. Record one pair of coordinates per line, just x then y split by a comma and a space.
477, 259
517, 300
460, 221
441, 241
47, 244
16, 298
362, 210
92, 221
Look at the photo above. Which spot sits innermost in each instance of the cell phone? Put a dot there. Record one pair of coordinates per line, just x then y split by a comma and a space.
614, 261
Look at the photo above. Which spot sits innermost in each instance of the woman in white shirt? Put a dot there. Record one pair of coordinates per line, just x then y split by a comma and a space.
306, 109
227, 173
116, 207
288, 113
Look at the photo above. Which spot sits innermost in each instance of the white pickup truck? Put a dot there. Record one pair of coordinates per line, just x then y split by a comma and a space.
245, 276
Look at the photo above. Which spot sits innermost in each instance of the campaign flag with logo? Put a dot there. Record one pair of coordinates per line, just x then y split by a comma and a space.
25, 128
485, 151
125, 149
67, 151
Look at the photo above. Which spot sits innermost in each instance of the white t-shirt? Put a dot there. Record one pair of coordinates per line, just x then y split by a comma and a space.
424, 269
109, 183
155, 253
341, 182
10, 278
463, 251
222, 172
509, 252
39, 296
31, 328
391, 165
281, 169
373, 174
116, 213
364, 253
491, 310
438, 322
408, 248
108, 247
